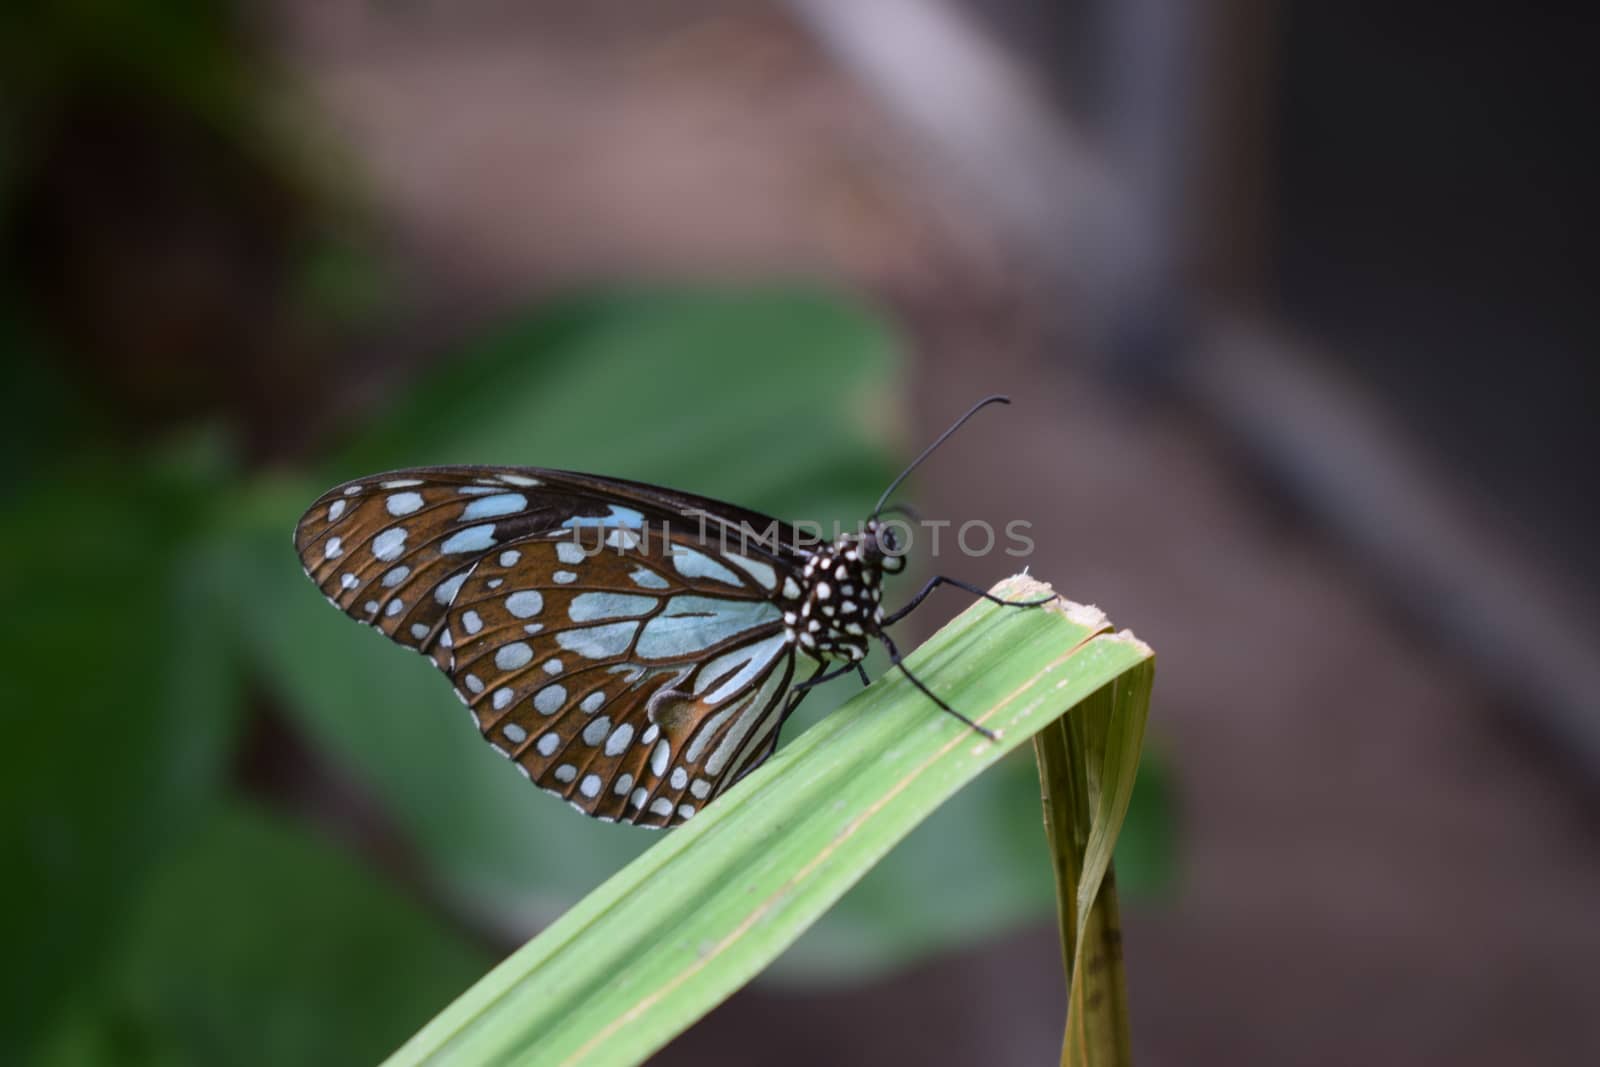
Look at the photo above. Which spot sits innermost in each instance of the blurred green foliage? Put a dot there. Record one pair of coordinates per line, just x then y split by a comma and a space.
156, 917
258, 944
161, 906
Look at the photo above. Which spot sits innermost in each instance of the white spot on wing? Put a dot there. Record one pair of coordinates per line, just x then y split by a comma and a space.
598, 642
693, 564
489, 507
691, 624
660, 757
472, 539
335, 509
590, 786
566, 772
760, 570
449, 588
513, 656
622, 540
514, 733
525, 603
471, 622
395, 576
564, 577
619, 517
648, 579
618, 741
332, 548
548, 700
403, 503
661, 806
548, 743
390, 543
596, 731
509, 557
679, 779
569, 552
587, 607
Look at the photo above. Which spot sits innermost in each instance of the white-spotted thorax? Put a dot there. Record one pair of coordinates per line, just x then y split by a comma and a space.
838, 602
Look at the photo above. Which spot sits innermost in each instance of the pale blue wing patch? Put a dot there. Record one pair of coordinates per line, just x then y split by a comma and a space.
588, 607
618, 516
690, 625
602, 642
692, 563
494, 506
762, 571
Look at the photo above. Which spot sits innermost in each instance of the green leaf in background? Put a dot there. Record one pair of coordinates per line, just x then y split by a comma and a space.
699, 915
259, 945
773, 398
120, 700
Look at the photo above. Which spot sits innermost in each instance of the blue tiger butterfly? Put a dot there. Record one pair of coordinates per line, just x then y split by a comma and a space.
632, 649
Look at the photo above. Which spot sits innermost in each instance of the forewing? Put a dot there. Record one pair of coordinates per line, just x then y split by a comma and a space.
391, 550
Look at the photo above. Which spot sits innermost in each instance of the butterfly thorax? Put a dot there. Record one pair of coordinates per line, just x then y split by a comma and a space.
841, 595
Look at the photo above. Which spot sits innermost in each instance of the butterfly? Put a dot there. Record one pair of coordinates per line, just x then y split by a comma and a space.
632, 649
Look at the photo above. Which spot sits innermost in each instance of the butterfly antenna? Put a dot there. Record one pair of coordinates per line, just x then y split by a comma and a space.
926, 452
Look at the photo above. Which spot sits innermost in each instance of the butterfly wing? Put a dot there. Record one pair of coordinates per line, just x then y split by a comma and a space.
635, 682
606, 635
389, 550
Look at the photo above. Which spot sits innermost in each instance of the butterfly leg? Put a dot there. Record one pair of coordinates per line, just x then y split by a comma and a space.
837, 672
934, 583
894, 659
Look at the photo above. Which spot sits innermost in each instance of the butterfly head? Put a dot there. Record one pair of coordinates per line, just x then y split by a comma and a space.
841, 598
881, 547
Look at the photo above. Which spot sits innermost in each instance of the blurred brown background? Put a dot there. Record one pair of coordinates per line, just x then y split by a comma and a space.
1295, 304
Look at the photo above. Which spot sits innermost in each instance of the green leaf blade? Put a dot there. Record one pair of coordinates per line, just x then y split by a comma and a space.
676, 932
1087, 765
